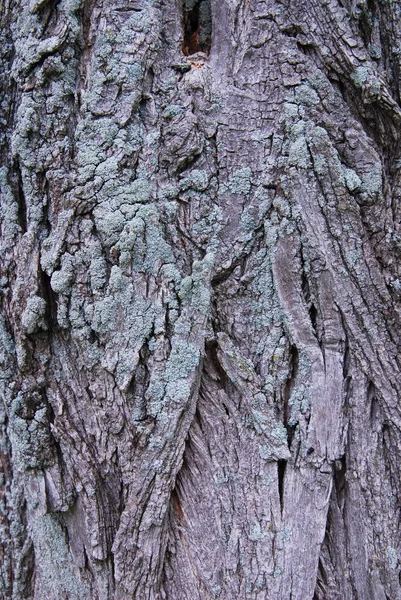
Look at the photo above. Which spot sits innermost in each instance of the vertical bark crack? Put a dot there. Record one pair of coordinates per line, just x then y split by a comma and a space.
281, 468
288, 388
22, 210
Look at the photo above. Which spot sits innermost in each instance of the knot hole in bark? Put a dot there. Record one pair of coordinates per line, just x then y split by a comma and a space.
197, 24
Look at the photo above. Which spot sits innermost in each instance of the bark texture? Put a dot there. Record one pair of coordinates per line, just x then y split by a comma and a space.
200, 288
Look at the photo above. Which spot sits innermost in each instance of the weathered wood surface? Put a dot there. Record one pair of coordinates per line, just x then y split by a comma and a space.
200, 288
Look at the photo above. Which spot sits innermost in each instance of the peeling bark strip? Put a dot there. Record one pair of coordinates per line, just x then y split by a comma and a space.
200, 300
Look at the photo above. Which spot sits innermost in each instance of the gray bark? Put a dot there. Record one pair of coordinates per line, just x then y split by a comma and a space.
200, 292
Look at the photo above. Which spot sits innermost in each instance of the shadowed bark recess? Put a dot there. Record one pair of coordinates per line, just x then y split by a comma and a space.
200, 297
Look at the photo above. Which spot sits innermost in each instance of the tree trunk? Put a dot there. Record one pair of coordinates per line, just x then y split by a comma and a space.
200, 287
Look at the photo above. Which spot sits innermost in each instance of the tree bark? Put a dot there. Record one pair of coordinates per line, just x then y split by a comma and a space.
200, 288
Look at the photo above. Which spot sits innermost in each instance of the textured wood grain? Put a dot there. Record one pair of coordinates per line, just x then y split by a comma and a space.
200, 300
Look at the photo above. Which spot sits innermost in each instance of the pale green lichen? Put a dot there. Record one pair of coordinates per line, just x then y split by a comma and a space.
33, 317
392, 558
98, 271
352, 181
375, 51
240, 181
299, 403
174, 384
141, 241
280, 434
55, 571
224, 478
290, 112
61, 281
194, 289
183, 360
256, 533
121, 309
372, 182
196, 180
105, 315
178, 391
360, 76
266, 452
298, 154
319, 81
247, 224
30, 437
172, 111
8, 211
306, 95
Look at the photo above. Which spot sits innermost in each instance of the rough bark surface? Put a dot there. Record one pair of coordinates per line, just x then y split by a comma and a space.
200, 288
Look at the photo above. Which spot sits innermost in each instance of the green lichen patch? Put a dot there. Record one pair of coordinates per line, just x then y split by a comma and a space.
62, 280
360, 76
33, 316
352, 181
372, 182
256, 533
306, 95
56, 574
239, 182
30, 434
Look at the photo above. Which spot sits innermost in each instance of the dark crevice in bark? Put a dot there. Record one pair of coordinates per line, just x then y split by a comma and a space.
313, 317
176, 504
197, 24
51, 300
366, 21
372, 401
289, 386
281, 468
45, 225
223, 275
136, 390
22, 208
347, 354
307, 48
340, 480
186, 162
211, 347
291, 30
337, 84
305, 284
312, 310
93, 337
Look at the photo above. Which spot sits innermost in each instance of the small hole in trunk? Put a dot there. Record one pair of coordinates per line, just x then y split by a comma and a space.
197, 23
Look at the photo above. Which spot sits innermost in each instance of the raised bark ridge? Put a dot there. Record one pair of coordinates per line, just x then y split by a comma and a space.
200, 300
